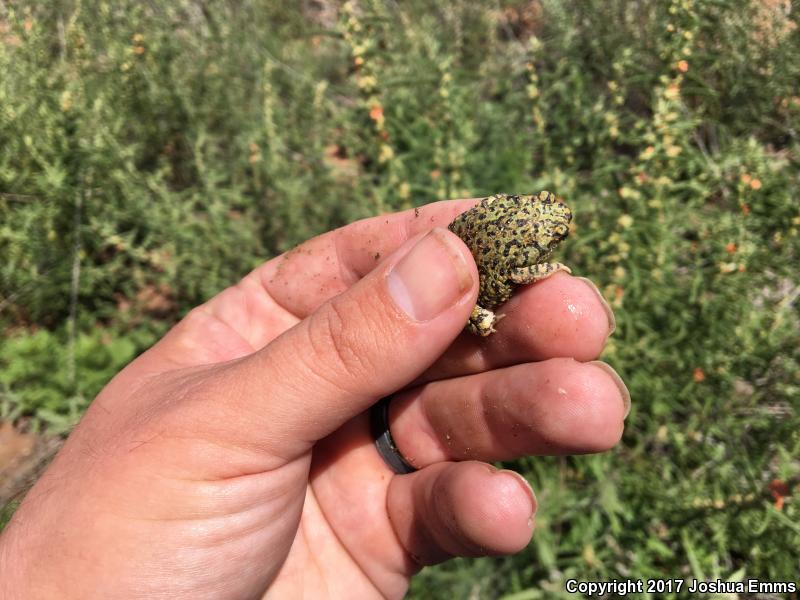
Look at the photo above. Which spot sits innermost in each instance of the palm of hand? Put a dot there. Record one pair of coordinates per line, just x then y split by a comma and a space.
344, 543
319, 514
335, 490
234, 457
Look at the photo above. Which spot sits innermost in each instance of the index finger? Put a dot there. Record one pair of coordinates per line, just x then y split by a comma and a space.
303, 278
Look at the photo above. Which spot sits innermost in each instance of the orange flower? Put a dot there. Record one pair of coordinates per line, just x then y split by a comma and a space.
730, 248
745, 178
682, 66
435, 174
138, 49
745, 209
255, 155
618, 295
779, 490
755, 184
376, 113
698, 375
673, 91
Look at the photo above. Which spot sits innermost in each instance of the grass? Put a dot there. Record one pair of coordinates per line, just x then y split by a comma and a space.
154, 152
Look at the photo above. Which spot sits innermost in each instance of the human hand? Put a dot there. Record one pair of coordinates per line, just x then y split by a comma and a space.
234, 458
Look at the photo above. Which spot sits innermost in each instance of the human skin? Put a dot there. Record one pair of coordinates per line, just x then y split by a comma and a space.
234, 460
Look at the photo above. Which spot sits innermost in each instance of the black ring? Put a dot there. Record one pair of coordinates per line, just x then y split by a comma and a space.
379, 424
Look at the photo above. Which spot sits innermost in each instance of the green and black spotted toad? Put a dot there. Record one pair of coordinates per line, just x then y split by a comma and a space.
511, 239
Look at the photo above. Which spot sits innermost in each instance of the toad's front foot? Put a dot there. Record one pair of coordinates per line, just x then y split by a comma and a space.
482, 321
537, 272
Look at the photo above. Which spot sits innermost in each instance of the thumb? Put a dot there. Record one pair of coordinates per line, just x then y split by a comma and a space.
359, 346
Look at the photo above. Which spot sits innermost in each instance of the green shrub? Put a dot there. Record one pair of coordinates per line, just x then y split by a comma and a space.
162, 149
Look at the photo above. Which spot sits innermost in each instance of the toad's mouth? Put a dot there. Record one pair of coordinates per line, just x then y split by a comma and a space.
559, 234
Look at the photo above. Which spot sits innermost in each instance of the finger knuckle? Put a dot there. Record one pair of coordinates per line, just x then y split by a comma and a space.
339, 351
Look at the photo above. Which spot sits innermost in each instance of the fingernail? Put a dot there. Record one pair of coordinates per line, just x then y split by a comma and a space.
523, 483
623, 389
612, 321
432, 277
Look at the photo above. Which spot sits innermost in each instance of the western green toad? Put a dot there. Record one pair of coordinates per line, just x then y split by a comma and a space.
511, 239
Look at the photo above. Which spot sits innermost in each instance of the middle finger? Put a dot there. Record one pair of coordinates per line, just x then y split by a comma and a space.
558, 406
